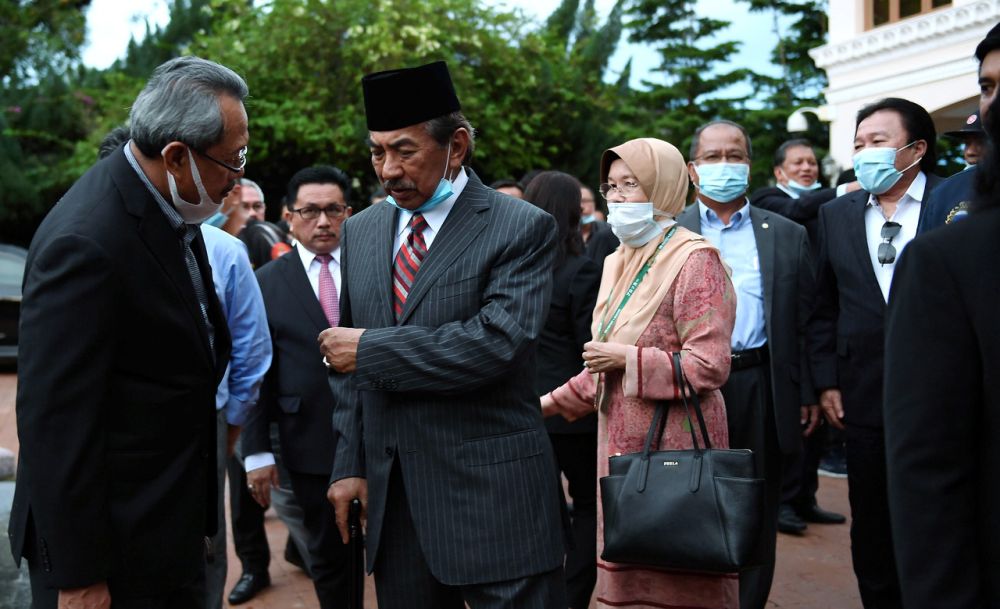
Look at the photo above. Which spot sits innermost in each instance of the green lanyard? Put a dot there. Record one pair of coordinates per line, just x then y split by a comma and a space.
603, 329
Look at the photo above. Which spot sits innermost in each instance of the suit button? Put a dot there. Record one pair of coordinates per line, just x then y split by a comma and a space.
389, 451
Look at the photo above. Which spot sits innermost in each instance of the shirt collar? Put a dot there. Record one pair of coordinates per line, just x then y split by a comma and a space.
737, 220
915, 193
787, 190
174, 218
308, 257
436, 217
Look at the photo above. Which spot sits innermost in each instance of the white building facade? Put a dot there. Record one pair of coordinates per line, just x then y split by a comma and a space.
920, 50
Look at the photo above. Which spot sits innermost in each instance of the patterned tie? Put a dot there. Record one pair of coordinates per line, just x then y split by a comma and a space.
328, 291
407, 263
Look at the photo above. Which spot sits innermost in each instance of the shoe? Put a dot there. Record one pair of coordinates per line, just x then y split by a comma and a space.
248, 586
292, 555
833, 466
816, 514
788, 521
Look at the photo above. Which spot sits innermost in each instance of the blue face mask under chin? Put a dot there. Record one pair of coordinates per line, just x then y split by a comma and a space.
441, 193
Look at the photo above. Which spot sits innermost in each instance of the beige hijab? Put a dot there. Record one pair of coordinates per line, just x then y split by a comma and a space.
662, 173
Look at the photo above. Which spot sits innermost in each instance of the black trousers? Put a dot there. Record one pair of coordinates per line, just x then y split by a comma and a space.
403, 579
328, 554
249, 536
750, 413
871, 533
576, 457
800, 480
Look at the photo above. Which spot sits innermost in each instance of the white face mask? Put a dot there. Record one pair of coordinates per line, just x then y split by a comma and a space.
633, 223
192, 213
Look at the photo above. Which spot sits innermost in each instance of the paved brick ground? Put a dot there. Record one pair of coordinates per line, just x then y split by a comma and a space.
814, 570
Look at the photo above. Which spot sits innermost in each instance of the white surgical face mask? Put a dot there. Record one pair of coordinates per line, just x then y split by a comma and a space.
797, 188
633, 223
192, 213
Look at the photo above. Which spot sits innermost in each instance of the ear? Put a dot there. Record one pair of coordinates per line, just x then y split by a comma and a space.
779, 176
348, 212
286, 215
692, 173
920, 148
175, 158
459, 146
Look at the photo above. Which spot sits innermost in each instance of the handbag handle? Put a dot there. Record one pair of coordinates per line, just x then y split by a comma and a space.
689, 398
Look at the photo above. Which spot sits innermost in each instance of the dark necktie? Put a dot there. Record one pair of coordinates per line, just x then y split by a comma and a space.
404, 269
190, 233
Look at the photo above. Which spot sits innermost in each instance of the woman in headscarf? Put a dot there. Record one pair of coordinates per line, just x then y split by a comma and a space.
683, 303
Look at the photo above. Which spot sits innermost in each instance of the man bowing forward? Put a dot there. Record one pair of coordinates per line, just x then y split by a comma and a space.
445, 291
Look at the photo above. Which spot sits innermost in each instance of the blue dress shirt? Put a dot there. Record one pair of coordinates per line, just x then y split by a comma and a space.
738, 246
237, 289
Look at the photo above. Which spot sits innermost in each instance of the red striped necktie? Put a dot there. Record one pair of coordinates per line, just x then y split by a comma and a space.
404, 269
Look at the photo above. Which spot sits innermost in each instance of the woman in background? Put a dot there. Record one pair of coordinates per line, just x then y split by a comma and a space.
575, 280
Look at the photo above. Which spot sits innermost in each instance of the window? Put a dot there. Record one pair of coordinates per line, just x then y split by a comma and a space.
880, 12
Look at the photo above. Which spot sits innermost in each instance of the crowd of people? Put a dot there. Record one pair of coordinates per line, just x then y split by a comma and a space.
448, 355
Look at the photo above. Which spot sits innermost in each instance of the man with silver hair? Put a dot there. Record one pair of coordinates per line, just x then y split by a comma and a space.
124, 345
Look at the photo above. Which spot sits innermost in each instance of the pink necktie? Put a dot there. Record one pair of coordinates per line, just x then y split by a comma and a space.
328, 291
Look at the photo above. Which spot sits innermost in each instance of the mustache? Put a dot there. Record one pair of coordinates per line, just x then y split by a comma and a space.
399, 184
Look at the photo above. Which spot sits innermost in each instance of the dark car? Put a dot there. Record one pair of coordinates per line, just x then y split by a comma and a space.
11, 273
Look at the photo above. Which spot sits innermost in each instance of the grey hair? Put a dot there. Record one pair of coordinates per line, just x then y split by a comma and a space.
443, 127
721, 121
181, 103
245, 182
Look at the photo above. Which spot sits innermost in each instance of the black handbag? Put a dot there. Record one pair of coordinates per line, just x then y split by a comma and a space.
697, 510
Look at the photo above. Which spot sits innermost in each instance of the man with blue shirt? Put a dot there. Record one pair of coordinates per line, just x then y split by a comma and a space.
769, 395
239, 294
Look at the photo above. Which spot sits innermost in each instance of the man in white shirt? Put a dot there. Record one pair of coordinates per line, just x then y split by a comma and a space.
301, 299
861, 236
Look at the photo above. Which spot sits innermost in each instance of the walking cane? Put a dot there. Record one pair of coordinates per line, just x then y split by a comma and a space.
356, 556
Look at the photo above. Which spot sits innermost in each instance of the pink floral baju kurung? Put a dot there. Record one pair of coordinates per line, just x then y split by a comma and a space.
696, 318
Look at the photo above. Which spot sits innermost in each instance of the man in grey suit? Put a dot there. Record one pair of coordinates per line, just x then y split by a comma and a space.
445, 291
769, 395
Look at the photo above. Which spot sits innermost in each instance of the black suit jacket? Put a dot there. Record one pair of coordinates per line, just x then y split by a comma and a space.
846, 331
942, 416
601, 243
804, 210
787, 274
295, 391
567, 329
116, 394
448, 390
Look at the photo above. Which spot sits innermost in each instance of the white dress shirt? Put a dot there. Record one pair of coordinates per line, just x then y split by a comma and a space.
435, 218
907, 214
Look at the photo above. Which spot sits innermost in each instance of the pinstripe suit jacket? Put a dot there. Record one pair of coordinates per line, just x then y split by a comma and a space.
449, 389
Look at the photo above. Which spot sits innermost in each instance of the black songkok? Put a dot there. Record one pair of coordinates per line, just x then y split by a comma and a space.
395, 99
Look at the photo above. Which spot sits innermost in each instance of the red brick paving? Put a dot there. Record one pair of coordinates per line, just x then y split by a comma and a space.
813, 571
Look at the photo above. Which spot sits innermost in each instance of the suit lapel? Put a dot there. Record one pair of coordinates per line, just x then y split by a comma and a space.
384, 237
858, 237
463, 225
763, 234
301, 290
163, 242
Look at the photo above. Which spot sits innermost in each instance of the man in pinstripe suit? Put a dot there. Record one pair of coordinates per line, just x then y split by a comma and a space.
445, 291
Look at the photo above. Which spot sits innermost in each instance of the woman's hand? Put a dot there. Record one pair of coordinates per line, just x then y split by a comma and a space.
604, 357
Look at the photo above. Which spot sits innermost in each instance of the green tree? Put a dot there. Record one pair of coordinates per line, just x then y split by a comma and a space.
693, 83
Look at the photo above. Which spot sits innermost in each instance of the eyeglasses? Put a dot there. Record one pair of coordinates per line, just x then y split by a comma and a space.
723, 157
624, 189
886, 251
241, 160
312, 213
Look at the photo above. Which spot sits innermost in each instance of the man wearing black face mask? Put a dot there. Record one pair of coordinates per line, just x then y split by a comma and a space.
123, 343
861, 236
